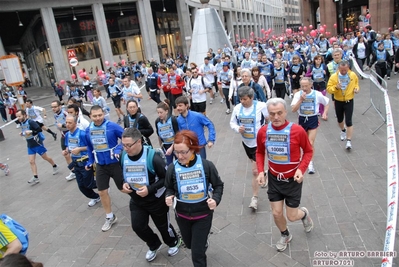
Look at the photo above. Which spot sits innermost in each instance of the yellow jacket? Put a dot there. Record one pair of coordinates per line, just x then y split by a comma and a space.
349, 92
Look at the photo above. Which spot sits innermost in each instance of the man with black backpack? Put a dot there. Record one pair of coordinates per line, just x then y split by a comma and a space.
144, 176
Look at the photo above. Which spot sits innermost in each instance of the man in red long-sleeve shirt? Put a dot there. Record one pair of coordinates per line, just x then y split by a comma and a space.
282, 142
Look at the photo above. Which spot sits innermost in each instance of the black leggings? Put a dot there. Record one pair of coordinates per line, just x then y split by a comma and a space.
344, 108
381, 71
280, 90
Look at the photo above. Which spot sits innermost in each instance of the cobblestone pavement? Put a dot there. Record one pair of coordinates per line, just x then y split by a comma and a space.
346, 198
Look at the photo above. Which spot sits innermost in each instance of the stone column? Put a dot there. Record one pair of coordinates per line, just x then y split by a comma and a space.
381, 12
147, 29
102, 33
2, 50
328, 14
185, 25
61, 68
230, 26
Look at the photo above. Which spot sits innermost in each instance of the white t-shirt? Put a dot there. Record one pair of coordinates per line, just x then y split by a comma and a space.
34, 113
260, 109
208, 72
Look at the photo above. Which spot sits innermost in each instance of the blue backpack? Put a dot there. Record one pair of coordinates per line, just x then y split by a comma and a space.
150, 156
18, 230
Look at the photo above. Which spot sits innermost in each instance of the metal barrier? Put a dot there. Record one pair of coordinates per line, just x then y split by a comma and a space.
377, 97
383, 106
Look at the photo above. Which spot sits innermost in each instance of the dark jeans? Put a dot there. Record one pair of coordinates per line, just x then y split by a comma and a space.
360, 62
226, 94
155, 96
381, 71
280, 90
86, 182
195, 236
159, 213
3, 113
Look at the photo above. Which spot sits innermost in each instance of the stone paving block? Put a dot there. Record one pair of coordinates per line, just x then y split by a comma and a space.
301, 256
247, 255
329, 225
224, 258
248, 240
281, 259
340, 210
362, 222
371, 240
348, 229
331, 189
100, 256
334, 242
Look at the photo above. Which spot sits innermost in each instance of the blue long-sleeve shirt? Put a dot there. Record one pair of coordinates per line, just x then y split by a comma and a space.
195, 122
113, 133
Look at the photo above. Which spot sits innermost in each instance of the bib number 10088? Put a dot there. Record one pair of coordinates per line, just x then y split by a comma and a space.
277, 149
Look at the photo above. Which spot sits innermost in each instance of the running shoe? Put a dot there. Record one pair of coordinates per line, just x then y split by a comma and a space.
311, 168
222, 101
152, 254
254, 203
348, 145
343, 136
211, 101
55, 136
174, 250
307, 222
6, 169
71, 176
119, 121
33, 180
228, 111
108, 223
55, 170
282, 244
94, 201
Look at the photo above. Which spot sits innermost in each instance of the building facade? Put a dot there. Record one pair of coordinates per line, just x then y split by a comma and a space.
62, 37
349, 15
292, 10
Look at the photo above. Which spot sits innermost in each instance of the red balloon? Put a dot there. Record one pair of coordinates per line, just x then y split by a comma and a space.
324, 26
281, 39
85, 74
280, 45
313, 33
335, 25
345, 29
300, 28
115, 64
99, 73
305, 28
80, 71
322, 30
310, 26
389, 29
102, 76
332, 40
262, 30
368, 16
73, 76
350, 30
252, 33
82, 75
357, 27
62, 82
106, 62
328, 33
237, 35
123, 62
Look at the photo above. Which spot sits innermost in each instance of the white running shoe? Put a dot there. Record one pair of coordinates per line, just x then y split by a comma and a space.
228, 111
311, 168
343, 136
348, 145
71, 176
94, 202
